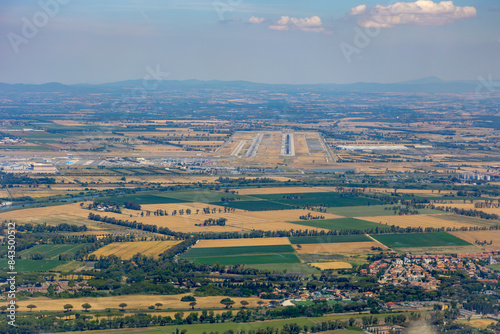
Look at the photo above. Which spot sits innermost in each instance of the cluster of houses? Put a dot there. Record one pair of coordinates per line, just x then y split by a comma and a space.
10, 141
416, 269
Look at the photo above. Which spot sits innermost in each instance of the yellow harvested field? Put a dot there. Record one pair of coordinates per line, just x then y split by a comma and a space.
478, 323
38, 215
337, 248
280, 190
416, 221
471, 206
241, 242
133, 302
331, 265
488, 236
125, 250
239, 220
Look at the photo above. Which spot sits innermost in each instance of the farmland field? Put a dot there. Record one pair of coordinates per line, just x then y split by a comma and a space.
286, 267
488, 236
146, 199
135, 302
417, 221
127, 250
370, 211
340, 224
329, 199
331, 265
256, 205
241, 242
225, 251
348, 248
330, 239
436, 239
250, 259
52, 251
34, 265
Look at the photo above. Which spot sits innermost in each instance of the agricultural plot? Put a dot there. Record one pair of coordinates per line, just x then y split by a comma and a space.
370, 211
256, 205
250, 259
331, 265
330, 239
51, 252
436, 239
126, 250
135, 302
279, 190
145, 199
342, 224
346, 249
225, 251
422, 221
328, 199
241, 242
489, 236
33, 265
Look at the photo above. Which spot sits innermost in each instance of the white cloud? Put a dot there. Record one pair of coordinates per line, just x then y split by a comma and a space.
358, 10
256, 20
421, 12
309, 24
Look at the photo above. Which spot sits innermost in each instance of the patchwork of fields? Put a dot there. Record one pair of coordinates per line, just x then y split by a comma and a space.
127, 250
267, 209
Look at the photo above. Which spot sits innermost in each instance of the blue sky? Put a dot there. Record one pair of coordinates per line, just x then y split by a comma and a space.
293, 41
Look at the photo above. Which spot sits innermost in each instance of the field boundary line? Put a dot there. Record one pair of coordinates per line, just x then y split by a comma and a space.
369, 236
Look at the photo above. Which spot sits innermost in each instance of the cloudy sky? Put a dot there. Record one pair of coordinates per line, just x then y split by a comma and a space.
272, 41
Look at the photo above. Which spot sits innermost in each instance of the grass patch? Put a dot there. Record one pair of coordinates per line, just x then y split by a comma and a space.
342, 224
329, 199
33, 265
206, 196
146, 199
434, 239
371, 211
329, 239
286, 268
250, 259
29, 148
229, 251
52, 251
256, 205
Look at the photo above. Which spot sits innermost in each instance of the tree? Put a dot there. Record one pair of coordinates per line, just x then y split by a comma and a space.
227, 302
86, 306
68, 307
31, 307
261, 303
188, 299
193, 304
122, 306
243, 303
158, 305
3, 308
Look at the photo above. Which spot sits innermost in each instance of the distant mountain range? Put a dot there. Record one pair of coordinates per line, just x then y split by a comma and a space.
424, 85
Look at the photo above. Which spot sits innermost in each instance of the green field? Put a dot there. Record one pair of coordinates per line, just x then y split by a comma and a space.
146, 199
30, 148
250, 259
51, 251
329, 239
33, 265
341, 224
230, 251
434, 239
371, 211
205, 196
286, 268
329, 199
236, 327
256, 205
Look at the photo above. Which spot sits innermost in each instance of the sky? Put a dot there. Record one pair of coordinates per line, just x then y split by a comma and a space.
268, 41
